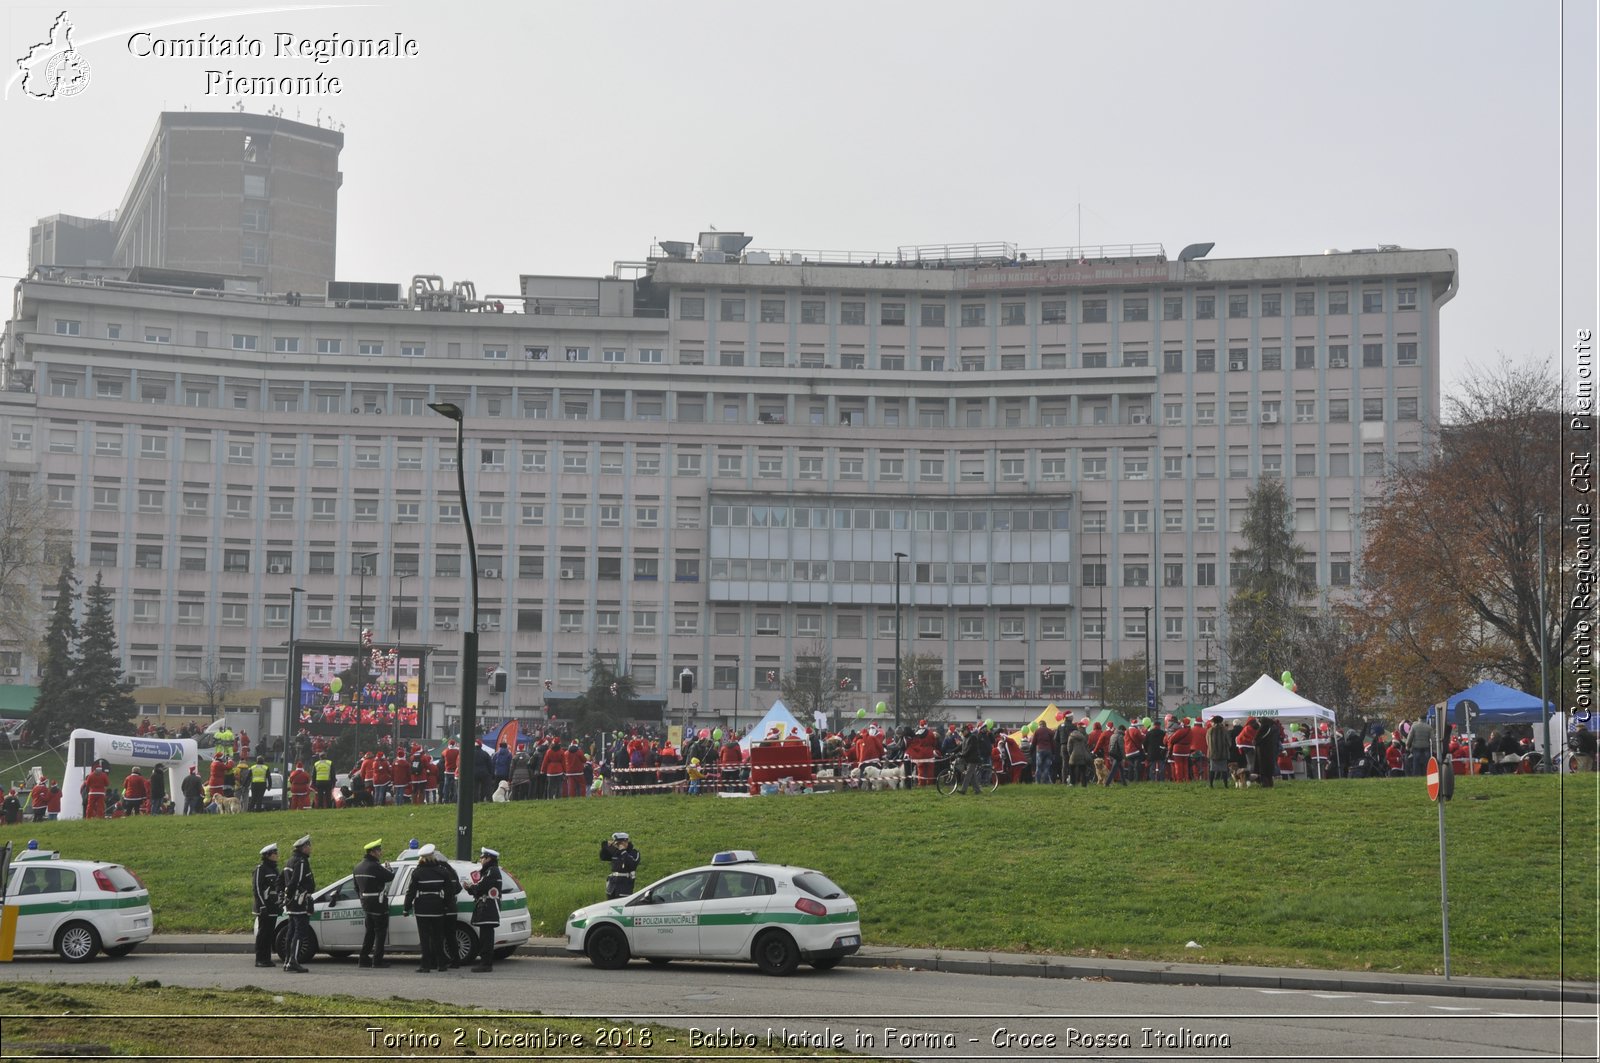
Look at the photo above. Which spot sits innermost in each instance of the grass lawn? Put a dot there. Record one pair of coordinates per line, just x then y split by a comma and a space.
1340, 875
147, 1019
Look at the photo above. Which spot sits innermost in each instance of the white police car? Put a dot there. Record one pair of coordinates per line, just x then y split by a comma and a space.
338, 923
76, 908
734, 908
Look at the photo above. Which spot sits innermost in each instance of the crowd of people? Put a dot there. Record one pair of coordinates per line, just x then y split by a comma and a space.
549, 765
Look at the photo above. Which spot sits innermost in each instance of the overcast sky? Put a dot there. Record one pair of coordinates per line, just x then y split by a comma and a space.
560, 137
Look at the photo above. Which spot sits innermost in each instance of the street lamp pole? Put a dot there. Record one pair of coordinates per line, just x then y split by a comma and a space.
399, 617
291, 688
467, 789
736, 666
1544, 651
358, 671
898, 684
1149, 693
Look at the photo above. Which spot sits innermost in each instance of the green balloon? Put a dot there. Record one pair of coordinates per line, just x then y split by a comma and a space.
861, 714
716, 735
337, 684
883, 707
988, 723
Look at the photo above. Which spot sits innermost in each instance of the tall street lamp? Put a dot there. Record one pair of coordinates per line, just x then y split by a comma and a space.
467, 789
1149, 688
359, 674
898, 557
400, 612
291, 688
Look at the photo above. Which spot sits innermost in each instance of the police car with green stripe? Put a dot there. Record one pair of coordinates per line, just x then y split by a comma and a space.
76, 908
338, 923
734, 908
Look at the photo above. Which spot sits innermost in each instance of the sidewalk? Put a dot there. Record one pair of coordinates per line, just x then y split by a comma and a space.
1007, 964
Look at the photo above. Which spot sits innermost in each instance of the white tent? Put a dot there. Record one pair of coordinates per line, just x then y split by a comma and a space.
173, 755
1268, 698
779, 714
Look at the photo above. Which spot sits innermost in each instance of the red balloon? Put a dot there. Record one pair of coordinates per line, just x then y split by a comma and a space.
1060, 716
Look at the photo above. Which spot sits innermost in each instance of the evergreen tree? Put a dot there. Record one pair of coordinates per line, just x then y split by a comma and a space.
608, 703
104, 700
52, 718
1266, 615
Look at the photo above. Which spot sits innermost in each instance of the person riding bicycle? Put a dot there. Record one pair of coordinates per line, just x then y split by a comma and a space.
973, 759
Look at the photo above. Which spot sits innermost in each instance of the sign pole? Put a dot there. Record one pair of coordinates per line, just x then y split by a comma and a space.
1444, 888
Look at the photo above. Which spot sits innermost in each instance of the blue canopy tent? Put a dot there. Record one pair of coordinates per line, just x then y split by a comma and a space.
1496, 705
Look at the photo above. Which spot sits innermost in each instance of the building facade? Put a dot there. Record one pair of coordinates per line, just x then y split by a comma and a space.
714, 465
252, 198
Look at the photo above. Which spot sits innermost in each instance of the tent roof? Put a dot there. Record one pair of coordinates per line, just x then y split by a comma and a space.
779, 713
1267, 697
16, 700
1499, 704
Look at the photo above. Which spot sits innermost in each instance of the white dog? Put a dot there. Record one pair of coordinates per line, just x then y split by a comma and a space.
502, 793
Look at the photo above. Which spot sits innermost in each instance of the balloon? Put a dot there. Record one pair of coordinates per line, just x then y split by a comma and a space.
1145, 723
337, 684
988, 723
705, 732
883, 707
861, 714
1288, 681
716, 736
1059, 717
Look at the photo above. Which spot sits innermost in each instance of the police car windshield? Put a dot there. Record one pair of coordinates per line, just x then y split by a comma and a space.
818, 885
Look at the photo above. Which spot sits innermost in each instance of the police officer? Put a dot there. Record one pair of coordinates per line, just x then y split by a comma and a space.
298, 886
371, 876
322, 779
259, 774
266, 903
486, 907
624, 862
432, 894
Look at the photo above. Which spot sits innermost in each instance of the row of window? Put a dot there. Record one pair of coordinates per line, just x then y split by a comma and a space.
765, 675
251, 341
932, 312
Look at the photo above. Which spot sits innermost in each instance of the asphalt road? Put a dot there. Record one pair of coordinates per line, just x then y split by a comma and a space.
933, 1015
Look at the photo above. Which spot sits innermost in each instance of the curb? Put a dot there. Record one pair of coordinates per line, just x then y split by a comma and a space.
1013, 965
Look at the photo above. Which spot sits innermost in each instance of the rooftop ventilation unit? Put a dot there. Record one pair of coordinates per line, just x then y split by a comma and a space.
676, 248
730, 244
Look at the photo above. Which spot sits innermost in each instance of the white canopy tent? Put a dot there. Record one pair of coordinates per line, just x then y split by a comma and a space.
1268, 698
778, 715
175, 756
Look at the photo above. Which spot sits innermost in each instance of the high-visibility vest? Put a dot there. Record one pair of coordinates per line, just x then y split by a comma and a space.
324, 770
259, 772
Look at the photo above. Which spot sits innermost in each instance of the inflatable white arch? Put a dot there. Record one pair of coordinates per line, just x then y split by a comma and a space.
175, 756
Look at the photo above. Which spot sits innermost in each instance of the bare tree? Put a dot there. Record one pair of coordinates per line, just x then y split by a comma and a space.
814, 685
27, 526
923, 697
214, 684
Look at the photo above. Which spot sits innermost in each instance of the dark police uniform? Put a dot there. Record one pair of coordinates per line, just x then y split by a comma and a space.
624, 863
432, 893
370, 879
266, 903
298, 886
486, 909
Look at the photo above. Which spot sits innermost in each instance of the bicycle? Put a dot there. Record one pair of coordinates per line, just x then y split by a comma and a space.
951, 771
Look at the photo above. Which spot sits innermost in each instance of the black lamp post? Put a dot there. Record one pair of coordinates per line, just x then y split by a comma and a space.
1149, 691
400, 611
291, 690
898, 684
467, 788
360, 659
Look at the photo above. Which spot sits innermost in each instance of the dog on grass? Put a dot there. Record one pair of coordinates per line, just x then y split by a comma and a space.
1241, 777
1102, 771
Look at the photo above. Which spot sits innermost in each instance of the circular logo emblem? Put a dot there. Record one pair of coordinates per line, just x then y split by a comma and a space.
66, 73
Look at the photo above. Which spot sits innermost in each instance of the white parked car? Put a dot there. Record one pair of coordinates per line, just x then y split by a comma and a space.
338, 924
734, 908
76, 908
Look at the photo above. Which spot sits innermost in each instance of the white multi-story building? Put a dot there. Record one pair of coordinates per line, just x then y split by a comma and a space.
712, 460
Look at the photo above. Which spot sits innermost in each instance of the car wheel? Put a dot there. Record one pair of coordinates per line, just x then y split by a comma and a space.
659, 961
280, 944
775, 953
607, 947
77, 942
465, 941
827, 963
116, 951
